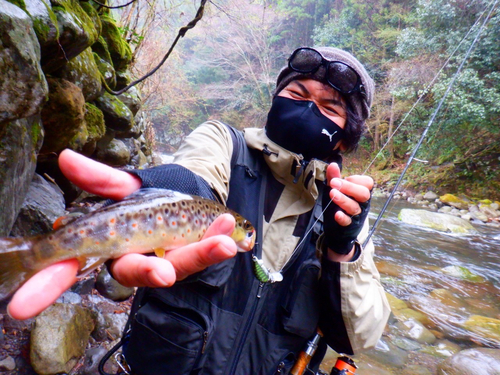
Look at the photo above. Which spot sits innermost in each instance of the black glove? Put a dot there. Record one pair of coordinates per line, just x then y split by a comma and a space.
336, 237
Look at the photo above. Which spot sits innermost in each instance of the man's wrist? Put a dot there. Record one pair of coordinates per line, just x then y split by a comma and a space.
336, 257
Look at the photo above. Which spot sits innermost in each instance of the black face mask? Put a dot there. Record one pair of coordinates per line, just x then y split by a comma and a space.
300, 127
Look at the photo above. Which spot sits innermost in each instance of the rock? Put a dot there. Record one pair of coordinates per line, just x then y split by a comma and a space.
110, 288
445, 209
77, 30
386, 352
107, 70
44, 203
416, 370
479, 361
395, 303
7, 364
132, 99
91, 362
484, 329
63, 115
407, 314
415, 330
117, 116
23, 88
111, 325
437, 221
430, 196
490, 212
84, 286
478, 215
19, 144
119, 50
70, 297
462, 273
114, 153
443, 348
82, 70
452, 200
44, 22
59, 337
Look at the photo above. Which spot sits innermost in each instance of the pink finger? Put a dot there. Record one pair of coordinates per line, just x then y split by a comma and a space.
43, 289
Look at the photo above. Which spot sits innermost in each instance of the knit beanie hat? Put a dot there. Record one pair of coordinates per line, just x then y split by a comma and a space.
360, 101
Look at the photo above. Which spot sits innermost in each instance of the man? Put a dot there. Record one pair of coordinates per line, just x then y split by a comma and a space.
253, 313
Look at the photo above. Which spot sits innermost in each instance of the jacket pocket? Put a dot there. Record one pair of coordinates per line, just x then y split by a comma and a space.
301, 307
166, 338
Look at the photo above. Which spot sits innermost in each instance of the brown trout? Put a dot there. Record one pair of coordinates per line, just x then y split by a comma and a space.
150, 220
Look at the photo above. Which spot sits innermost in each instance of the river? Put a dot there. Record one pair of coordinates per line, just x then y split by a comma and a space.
460, 273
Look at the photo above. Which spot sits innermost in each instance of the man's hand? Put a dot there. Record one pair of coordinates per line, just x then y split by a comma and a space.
46, 286
349, 208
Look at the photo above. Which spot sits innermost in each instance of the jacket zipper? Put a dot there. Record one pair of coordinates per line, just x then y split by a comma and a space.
247, 328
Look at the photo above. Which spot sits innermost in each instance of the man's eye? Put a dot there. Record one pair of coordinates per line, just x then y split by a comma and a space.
296, 93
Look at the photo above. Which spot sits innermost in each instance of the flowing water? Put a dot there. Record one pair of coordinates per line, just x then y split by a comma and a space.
450, 279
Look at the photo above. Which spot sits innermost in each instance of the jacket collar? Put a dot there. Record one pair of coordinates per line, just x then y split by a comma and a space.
288, 167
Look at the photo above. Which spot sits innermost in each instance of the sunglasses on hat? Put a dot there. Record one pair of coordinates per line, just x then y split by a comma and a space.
339, 75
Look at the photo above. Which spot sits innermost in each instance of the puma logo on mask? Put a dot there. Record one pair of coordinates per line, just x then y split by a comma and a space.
324, 131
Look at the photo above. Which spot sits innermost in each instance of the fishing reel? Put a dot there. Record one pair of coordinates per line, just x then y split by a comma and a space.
344, 366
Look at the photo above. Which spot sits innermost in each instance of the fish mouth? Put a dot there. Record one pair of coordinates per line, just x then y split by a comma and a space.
247, 243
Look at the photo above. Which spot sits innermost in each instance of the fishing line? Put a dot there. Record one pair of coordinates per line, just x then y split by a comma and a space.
431, 121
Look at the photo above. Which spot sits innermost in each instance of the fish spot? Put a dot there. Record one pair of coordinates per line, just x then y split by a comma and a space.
182, 235
183, 204
174, 238
51, 238
112, 233
167, 211
112, 221
150, 231
196, 221
82, 231
134, 225
174, 204
70, 230
127, 239
150, 216
174, 223
189, 230
159, 218
164, 235
97, 242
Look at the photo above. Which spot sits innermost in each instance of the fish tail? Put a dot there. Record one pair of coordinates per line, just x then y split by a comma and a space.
16, 255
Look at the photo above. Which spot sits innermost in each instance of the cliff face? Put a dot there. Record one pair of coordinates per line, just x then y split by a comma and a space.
54, 59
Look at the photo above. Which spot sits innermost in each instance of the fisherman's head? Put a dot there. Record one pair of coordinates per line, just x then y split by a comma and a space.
302, 121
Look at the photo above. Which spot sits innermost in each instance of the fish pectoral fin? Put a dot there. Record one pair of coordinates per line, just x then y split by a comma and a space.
160, 252
87, 265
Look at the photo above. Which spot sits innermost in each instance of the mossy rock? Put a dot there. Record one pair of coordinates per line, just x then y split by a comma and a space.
63, 115
101, 48
107, 71
453, 200
78, 31
84, 72
22, 84
484, 327
463, 273
44, 22
437, 221
119, 49
117, 116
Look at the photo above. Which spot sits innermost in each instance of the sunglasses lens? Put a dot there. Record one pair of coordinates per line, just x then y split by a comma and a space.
305, 60
342, 76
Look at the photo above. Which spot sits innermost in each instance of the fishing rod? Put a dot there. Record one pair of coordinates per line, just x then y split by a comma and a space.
429, 124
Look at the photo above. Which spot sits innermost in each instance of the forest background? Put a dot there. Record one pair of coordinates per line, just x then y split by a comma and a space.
225, 68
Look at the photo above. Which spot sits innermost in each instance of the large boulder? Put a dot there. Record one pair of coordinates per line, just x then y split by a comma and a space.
23, 88
78, 30
437, 221
63, 115
43, 204
59, 338
478, 361
83, 72
19, 144
44, 21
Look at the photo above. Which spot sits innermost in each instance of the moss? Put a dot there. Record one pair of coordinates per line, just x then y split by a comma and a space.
46, 30
92, 13
20, 3
101, 48
94, 120
119, 49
